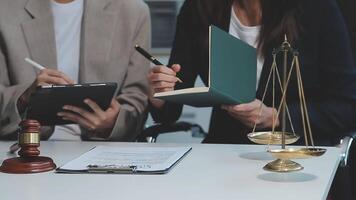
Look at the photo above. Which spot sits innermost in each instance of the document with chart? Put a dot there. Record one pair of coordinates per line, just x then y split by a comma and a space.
109, 159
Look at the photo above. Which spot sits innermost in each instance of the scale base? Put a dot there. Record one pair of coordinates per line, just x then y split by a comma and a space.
27, 165
283, 166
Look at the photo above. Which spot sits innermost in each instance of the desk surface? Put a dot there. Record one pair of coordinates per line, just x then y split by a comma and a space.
208, 172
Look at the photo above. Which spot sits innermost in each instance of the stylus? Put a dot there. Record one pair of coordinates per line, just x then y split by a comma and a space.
33, 63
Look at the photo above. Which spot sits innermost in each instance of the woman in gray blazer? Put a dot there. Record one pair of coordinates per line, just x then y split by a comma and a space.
78, 41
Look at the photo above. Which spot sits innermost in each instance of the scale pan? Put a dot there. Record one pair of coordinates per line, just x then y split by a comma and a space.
272, 138
286, 154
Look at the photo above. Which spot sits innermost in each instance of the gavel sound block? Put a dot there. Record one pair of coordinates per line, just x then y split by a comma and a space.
29, 160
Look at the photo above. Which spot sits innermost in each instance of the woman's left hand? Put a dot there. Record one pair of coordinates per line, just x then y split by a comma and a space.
249, 114
98, 122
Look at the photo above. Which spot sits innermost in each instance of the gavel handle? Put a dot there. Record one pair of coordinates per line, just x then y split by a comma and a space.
13, 148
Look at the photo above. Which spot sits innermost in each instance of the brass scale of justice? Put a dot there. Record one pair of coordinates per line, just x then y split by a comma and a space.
284, 156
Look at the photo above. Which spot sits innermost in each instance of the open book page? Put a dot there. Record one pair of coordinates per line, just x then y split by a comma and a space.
182, 91
144, 159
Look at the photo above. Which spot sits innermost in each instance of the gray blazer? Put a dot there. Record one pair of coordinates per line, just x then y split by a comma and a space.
110, 30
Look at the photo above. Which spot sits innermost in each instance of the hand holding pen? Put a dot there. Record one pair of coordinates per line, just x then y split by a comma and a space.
49, 76
161, 78
44, 77
99, 122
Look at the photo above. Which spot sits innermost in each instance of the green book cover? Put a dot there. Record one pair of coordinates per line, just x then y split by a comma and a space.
232, 74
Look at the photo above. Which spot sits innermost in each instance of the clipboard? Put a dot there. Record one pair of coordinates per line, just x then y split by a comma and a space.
47, 101
126, 160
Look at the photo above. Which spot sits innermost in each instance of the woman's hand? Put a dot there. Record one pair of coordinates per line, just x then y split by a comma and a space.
249, 114
98, 122
52, 77
162, 79
45, 77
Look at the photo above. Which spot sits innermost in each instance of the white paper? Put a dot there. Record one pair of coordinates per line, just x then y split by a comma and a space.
145, 159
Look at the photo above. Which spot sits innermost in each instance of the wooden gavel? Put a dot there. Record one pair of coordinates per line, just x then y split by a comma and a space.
29, 160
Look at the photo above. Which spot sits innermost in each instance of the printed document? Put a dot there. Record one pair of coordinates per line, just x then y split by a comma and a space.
142, 159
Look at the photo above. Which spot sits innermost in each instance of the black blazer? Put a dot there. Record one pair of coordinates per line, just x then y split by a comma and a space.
328, 71
348, 10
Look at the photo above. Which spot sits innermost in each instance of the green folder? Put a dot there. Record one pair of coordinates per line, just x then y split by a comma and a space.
232, 74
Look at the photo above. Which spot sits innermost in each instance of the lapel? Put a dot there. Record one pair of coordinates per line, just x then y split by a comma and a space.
225, 19
98, 28
39, 33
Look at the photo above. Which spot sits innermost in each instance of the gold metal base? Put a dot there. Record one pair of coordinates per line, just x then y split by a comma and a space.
283, 162
283, 166
272, 137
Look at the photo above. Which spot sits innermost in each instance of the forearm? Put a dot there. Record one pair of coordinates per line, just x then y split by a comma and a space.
10, 116
129, 124
184, 53
168, 113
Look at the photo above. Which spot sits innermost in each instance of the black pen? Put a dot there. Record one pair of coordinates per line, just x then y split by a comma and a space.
151, 58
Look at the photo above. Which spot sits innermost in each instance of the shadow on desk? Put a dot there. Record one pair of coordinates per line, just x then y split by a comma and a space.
287, 177
262, 155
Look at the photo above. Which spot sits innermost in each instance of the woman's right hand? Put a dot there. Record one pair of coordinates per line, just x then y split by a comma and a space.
45, 77
52, 77
162, 79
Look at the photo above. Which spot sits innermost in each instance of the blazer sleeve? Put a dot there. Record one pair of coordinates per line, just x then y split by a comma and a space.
184, 53
335, 113
10, 116
133, 95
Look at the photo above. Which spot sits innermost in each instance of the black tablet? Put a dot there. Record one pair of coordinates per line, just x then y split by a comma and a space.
47, 101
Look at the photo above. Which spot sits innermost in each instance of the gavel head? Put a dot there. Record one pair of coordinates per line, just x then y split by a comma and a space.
29, 138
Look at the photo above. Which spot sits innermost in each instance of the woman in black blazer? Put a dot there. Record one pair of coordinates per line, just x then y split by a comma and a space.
315, 28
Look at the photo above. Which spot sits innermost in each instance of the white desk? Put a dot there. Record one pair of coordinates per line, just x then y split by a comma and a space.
219, 172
